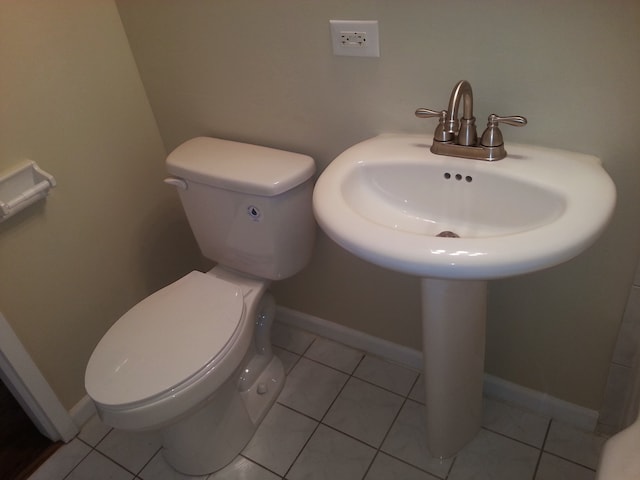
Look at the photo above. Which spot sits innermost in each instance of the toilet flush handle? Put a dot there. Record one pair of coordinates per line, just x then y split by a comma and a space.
177, 182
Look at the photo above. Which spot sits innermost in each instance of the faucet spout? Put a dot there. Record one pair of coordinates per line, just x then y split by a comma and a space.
464, 131
461, 90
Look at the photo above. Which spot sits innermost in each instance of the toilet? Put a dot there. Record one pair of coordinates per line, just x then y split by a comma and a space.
193, 361
620, 458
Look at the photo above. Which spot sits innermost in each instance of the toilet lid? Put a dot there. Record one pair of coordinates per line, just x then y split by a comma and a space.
164, 340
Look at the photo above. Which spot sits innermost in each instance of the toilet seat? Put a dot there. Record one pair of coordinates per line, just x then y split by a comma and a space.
167, 342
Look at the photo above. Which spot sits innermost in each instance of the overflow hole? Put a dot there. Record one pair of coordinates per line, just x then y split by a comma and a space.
458, 177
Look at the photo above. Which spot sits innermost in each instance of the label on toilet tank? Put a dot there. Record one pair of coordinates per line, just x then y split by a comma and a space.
254, 213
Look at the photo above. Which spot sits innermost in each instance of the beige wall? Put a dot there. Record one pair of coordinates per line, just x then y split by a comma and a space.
111, 232
263, 72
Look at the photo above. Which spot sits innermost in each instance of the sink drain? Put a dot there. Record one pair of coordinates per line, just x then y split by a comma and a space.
448, 233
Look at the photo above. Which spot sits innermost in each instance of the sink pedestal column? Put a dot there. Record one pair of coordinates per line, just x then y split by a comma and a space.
453, 333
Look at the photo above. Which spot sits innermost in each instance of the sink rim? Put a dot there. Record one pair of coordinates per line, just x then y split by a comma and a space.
480, 258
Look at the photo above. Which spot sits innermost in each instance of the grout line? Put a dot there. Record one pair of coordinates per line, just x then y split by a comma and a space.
391, 424
351, 375
314, 430
569, 460
252, 461
91, 449
306, 415
326, 425
309, 346
373, 460
379, 450
517, 440
103, 455
364, 379
117, 463
157, 452
302, 449
541, 450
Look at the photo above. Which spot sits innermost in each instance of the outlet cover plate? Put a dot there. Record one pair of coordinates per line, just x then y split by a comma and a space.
355, 38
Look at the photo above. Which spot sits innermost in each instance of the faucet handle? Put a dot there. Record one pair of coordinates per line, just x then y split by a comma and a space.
428, 113
441, 134
492, 136
514, 120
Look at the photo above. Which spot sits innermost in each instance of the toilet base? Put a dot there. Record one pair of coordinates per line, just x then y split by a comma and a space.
620, 459
213, 436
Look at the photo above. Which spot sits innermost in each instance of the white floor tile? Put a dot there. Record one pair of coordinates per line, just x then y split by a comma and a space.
159, 469
62, 462
555, 468
132, 450
94, 431
311, 388
387, 375
334, 355
575, 445
287, 358
330, 455
99, 467
279, 439
388, 468
290, 338
407, 440
494, 457
243, 469
514, 422
364, 411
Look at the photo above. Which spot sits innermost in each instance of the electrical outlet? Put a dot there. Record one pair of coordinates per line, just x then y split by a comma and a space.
355, 38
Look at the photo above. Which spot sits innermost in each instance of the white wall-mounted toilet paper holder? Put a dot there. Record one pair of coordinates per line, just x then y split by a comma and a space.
21, 186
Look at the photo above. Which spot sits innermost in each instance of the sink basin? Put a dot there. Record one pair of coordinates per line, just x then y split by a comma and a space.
387, 199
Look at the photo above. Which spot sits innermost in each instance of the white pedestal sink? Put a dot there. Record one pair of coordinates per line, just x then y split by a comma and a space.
389, 199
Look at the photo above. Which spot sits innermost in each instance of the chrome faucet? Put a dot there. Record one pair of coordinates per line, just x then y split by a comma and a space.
459, 138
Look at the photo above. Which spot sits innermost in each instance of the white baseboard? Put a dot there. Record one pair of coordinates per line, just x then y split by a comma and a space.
351, 337
542, 403
538, 402
82, 411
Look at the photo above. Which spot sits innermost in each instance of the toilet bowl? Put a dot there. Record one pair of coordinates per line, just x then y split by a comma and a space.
620, 458
193, 361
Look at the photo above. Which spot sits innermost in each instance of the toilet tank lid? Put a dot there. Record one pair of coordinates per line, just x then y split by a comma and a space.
240, 167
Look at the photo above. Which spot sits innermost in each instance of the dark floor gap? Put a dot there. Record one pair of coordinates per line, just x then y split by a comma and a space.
22, 447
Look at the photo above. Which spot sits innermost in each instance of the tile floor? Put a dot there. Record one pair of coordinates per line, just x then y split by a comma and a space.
345, 415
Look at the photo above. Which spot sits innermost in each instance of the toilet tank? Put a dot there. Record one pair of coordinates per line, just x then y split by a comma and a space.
249, 206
